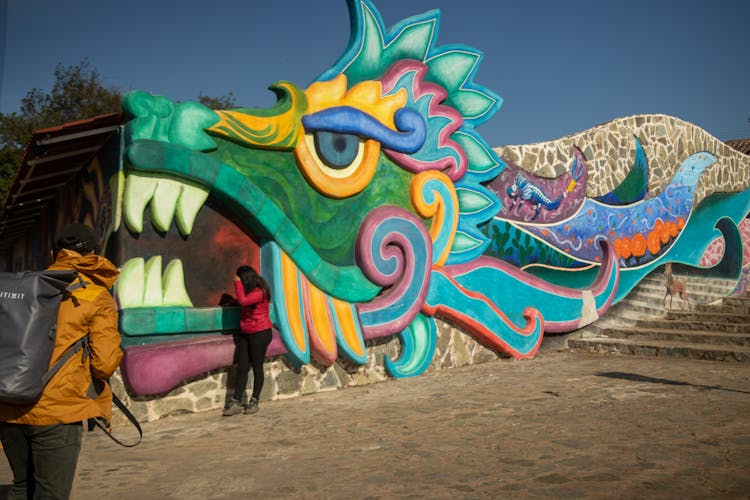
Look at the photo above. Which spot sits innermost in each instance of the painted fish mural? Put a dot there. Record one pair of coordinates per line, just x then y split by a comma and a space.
373, 208
640, 231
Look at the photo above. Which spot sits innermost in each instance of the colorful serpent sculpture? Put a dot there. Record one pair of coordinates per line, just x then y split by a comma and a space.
373, 207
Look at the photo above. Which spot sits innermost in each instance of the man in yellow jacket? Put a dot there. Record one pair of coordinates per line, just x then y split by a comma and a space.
42, 441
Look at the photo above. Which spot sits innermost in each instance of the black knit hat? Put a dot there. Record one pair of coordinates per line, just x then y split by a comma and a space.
78, 237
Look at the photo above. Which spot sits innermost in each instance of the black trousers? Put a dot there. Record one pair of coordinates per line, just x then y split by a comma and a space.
251, 350
43, 458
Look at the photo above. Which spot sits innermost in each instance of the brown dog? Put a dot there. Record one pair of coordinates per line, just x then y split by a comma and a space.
675, 287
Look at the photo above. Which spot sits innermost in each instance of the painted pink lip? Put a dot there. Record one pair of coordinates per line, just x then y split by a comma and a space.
158, 368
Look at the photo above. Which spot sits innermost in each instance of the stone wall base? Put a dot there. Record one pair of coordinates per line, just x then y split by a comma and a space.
283, 380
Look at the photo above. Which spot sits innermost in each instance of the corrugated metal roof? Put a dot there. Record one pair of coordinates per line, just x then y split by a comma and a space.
53, 157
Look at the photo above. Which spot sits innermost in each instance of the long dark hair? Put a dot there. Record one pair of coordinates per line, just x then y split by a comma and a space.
251, 280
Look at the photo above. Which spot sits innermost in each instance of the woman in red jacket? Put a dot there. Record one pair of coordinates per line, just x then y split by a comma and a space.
254, 296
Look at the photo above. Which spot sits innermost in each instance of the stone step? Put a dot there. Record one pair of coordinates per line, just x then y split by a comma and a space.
681, 336
695, 296
715, 327
737, 301
661, 348
723, 307
708, 317
693, 291
676, 324
660, 290
698, 281
657, 301
693, 287
697, 289
643, 308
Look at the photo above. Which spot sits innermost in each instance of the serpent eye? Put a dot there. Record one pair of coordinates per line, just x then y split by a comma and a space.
337, 150
337, 163
343, 130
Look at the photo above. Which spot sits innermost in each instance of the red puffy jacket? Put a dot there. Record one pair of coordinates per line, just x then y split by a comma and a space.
254, 313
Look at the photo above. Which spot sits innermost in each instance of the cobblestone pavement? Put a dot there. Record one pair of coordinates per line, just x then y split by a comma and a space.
562, 425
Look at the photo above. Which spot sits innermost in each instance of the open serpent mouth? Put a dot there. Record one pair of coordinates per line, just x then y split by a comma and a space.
180, 245
177, 278
179, 254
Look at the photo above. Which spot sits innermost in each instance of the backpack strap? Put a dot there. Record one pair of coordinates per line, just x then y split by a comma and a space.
124, 409
76, 283
80, 344
79, 283
95, 389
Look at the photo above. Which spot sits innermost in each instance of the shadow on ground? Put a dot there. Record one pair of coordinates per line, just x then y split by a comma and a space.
653, 380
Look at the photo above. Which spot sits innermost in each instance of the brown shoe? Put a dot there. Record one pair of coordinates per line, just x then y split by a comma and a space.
234, 408
252, 407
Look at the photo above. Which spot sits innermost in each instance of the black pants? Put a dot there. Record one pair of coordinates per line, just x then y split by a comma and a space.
251, 349
43, 458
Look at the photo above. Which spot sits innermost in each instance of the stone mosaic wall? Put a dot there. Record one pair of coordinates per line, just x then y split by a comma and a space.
609, 150
453, 348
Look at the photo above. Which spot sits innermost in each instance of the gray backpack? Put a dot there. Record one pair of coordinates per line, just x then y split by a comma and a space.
29, 302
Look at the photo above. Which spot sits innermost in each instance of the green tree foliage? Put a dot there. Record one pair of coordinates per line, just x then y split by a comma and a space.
78, 93
226, 101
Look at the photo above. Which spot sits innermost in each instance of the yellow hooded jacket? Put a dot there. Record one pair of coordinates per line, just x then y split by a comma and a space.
90, 310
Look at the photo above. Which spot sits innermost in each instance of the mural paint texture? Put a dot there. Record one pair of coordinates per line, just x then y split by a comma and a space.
373, 207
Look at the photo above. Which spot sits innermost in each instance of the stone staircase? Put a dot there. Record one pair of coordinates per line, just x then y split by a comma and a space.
716, 327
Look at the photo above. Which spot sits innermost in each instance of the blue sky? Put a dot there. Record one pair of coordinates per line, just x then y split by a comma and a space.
561, 67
